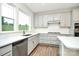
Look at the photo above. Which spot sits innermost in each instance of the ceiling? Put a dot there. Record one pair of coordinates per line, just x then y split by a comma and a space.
40, 7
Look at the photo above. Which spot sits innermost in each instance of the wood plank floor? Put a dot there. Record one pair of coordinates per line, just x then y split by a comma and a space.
45, 50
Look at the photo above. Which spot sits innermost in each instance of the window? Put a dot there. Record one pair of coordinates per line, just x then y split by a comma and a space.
7, 24
24, 21
7, 17
11, 17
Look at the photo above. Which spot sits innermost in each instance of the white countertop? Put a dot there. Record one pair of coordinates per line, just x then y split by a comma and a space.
8, 40
70, 42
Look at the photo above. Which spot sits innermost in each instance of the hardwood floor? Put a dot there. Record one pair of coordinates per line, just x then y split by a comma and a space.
45, 50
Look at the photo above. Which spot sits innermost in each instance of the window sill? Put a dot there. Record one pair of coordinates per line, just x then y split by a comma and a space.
9, 32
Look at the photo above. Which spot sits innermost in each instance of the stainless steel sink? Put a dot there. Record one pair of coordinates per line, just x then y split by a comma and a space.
27, 34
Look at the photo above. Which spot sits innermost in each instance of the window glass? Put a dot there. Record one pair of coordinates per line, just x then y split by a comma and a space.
24, 21
7, 13
7, 24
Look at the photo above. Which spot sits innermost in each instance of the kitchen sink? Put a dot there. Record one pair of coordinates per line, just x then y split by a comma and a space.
27, 34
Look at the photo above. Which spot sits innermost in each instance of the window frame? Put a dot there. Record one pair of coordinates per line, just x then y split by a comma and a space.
18, 19
7, 18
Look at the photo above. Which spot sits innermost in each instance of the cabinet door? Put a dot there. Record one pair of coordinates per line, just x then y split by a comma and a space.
36, 24
40, 22
56, 17
44, 21
8, 54
68, 19
35, 41
65, 20
62, 20
5, 49
30, 45
75, 14
50, 17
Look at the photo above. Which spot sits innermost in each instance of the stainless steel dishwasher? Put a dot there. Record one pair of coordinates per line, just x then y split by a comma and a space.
19, 48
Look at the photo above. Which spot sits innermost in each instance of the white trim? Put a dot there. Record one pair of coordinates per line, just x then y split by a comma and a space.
0, 19
16, 20
9, 31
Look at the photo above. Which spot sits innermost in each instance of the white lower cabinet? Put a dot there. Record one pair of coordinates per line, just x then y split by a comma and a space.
45, 38
6, 50
8, 54
32, 43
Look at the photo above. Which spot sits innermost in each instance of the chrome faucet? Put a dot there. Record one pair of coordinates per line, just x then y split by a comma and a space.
23, 32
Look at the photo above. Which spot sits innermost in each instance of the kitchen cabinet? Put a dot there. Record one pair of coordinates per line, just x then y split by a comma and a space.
65, 20
56, 17
45, 21
36, 24
50, 17
6, 50
48, 39
40, 21
75, 14
32, 43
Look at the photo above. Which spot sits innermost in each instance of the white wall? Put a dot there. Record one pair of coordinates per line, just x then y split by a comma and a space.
0, 18
53, 28
41, 30
57, 28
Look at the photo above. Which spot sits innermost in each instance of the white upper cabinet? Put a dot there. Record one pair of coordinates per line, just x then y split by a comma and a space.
44, 21
50, 17
36, 21
75, 14
56, 17
41, 21
65, 20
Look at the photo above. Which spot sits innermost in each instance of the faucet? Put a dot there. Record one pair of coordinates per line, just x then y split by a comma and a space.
23, 32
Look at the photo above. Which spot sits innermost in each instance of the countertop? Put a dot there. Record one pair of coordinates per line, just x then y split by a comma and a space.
11, 39
70, 42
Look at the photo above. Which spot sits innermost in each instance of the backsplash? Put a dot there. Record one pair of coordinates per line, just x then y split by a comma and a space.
4, 35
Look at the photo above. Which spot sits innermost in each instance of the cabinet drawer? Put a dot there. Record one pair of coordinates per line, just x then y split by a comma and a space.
5, 49
8, 54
